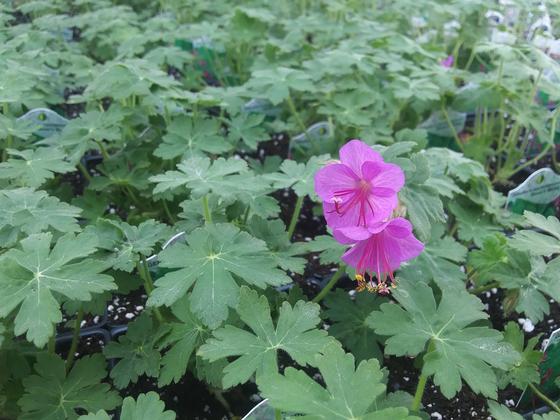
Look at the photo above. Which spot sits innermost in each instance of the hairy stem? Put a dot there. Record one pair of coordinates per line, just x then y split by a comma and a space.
75, 339
543, 397
206, 208
295, 216
334, 279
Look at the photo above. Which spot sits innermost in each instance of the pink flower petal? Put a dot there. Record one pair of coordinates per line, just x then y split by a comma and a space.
383, 175
332, 179
355, 153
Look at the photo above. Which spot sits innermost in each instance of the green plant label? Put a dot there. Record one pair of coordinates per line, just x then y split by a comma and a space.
549, 368
47, 121
537, 193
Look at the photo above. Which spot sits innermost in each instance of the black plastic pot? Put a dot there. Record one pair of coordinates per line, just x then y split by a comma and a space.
64, 341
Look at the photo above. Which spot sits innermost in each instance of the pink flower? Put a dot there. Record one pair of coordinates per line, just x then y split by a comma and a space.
360, 190
447, 62
379, 249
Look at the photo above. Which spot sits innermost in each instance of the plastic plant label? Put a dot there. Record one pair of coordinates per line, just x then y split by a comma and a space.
47, 121
537, 193
262, 411
549, 369
313, 137
261, 106
438, 126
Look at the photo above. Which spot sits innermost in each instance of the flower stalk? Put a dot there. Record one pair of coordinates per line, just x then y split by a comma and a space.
334, 279
75, 338
421, 387
295, 216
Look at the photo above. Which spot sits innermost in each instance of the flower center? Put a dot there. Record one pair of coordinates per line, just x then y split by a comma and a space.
359, 196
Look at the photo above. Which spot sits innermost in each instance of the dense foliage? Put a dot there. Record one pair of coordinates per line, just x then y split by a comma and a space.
212, 118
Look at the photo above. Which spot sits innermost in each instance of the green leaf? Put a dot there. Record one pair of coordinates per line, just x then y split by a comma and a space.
247, 128
298, 176
501, 412
484, 260
31, 276
424, 207
285, 252
27, 211
474, 225
31, 168
127, 243
532, 278
188, 137
137, 351
330, 250
295, 333
146, 407
440, 261
538, 243
52, 394
348, 316
459, 350
275, 83
82, 133
527, 370
185, 335
350, 393
202, 176
212, 256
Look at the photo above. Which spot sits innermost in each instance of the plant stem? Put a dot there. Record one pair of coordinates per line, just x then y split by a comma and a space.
103, 150
421, 383
532, 161
450, 124
277, 414
484, 288
75, 338
6, 112
168, 213
419, 393
206, 208
295, 216
144, 272
543, 397
84, 172
51, 345
334, 279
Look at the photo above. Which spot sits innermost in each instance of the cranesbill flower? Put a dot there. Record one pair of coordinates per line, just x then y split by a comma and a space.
359, 190
447, 62
379, 249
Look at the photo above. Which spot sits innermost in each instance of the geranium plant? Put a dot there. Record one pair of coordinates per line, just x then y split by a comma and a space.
208, 205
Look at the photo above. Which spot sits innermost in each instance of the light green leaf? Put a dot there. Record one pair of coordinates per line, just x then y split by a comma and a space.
31, 168
145, 407
30, 277
459, 351
501, 412
211, 258
28, 211
527, 370
190, 137
298, 176
351, 392
295, 333
538, 243
201, 176
53, 394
